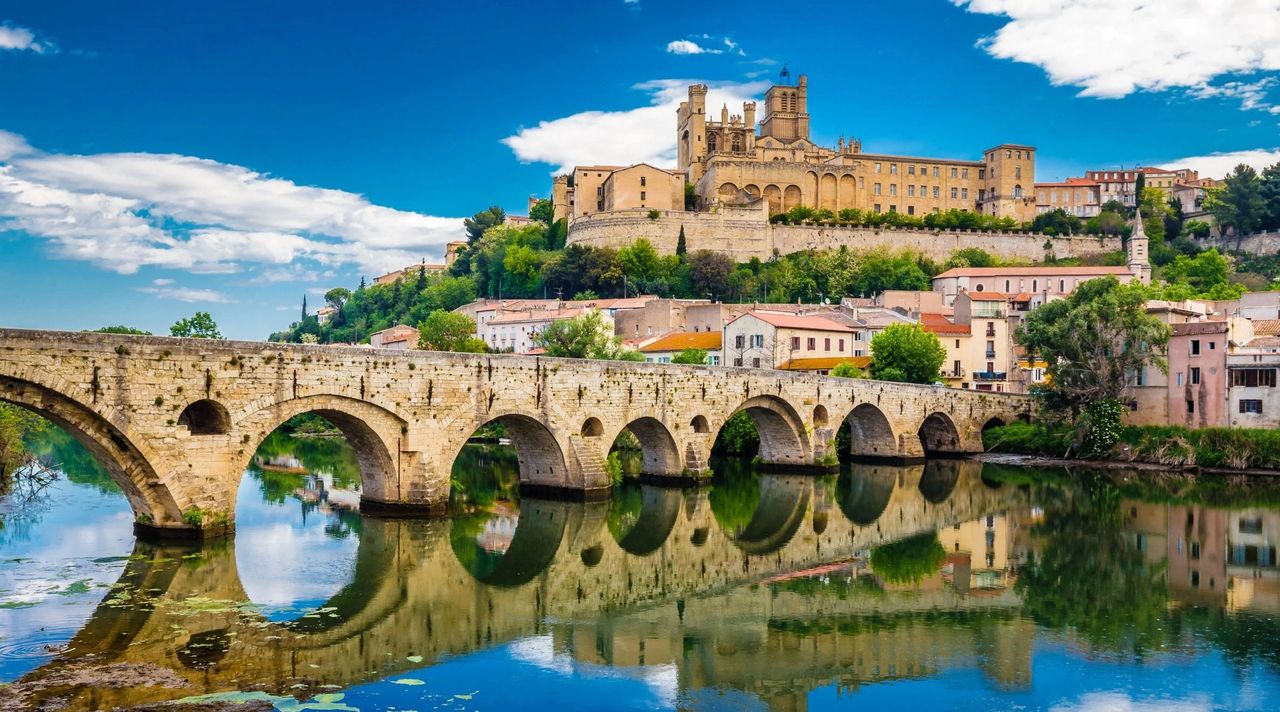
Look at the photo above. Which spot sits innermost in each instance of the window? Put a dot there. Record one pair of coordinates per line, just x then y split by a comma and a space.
1017, 191
757, 341
964, 193
714, 359
893, 169
877, 207
893, 189
826, 344
1254, 378
737, 362
982, 173
1195, 347
1195, 375
755, 363
641, 181
954, 192
937, 192
911, 191
739, 342
978, 288
642, 197
1139, 377
1179, 379
795, 343
1191, 407
1017, 172
936, 172
1195, 550
1062, 285
1252, 525
1035, 285
841, 343
964, 172
813, 343
1252, 406
911, 210
911, 170
877, 168
954, 172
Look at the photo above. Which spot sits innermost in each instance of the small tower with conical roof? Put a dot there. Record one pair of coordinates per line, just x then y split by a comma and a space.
1139, 265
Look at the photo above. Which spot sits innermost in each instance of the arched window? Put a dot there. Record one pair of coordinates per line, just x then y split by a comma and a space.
1017, 191
711, 142
737, 142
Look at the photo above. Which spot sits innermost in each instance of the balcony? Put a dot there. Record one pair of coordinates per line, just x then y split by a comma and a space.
957, 372
991, 353
989, 375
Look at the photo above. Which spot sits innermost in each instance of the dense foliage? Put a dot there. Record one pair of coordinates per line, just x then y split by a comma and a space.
908, 561
199, 326
906, 353
1175, 446
585, 336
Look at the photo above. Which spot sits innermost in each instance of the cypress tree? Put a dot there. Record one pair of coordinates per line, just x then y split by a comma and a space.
681, 248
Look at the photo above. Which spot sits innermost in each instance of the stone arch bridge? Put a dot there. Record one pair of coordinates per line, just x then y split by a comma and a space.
176, 421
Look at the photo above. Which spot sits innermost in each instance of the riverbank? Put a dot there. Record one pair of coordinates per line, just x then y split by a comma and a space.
1210, 450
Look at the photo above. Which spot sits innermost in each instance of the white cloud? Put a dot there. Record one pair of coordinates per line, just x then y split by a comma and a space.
1120, 702
690, 47
644, 134
1217, 165
1252, 95
19, 39
164, 289
122, 211
1112, 48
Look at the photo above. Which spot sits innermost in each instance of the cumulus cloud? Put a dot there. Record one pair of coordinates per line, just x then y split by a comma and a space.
645, 134
1112, 48
1217, 165
165, 289
123, 211
20, 39
1120, 702
689, 47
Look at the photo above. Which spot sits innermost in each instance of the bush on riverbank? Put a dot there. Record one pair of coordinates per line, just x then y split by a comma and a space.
1236, 448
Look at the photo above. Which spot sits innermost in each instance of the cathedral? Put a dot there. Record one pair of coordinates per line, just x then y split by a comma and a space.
732, 161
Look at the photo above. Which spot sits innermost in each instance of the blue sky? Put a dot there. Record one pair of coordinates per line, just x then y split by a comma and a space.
157, 158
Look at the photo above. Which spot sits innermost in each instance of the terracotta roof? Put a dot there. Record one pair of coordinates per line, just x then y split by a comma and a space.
987, 296
1030, 271
533, 316
793, 321
1266, 327
1069, 183
1200, 327
681, 340
939, 324
1264, 342
823, 363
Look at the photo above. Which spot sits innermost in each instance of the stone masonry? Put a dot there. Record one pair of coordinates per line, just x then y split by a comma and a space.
176, 421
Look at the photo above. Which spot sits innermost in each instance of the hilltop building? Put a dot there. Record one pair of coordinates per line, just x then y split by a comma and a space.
733, 161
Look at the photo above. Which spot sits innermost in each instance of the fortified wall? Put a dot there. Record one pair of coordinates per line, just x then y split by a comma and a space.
743, 233
1261, 243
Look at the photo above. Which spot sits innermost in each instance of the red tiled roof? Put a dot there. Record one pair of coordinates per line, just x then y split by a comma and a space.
681, 340
939, 324
1266, 327
1200, 327
987, 296
793, 321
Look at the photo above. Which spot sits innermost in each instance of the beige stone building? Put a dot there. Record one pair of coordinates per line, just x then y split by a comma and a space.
1080, 197
768, 339
733, 161
400, 337
979, 343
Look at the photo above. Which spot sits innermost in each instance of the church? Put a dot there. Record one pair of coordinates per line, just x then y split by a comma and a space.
733, 161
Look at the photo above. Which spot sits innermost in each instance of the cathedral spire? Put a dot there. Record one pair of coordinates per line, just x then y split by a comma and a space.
1139, 266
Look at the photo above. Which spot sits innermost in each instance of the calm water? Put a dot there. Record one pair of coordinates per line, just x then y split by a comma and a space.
968, 585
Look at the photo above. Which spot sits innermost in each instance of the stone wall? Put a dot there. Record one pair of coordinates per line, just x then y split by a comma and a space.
1262, 243
743, 233
176, 421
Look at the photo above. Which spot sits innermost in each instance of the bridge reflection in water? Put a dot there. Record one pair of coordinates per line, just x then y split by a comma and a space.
667, 585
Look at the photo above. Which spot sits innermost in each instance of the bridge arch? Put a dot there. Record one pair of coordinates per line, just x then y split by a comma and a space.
783, 436
871, 434
658, 446
659, 510
205, 417
784, 499
938, 434
130, 463
538, 452
939, 479
373, 433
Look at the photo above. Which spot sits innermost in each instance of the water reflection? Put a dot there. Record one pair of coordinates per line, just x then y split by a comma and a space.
994, 586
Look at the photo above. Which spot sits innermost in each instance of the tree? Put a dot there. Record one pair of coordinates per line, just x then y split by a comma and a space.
1269, 188
483, 220
690, 196
1196, 228
1238, 205
586, 336
449, 331
121, 330
1140, 184
691, 357
971, 257
1056, 222
336, 297
681, 247
844, 369
304, 307
907, 353
1094, 341
709, 273
542, 211
1203, 272
199, 326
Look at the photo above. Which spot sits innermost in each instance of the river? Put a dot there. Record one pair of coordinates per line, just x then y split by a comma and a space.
963, 584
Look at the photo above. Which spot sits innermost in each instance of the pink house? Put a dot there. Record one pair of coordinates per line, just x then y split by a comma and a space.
1198, 374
